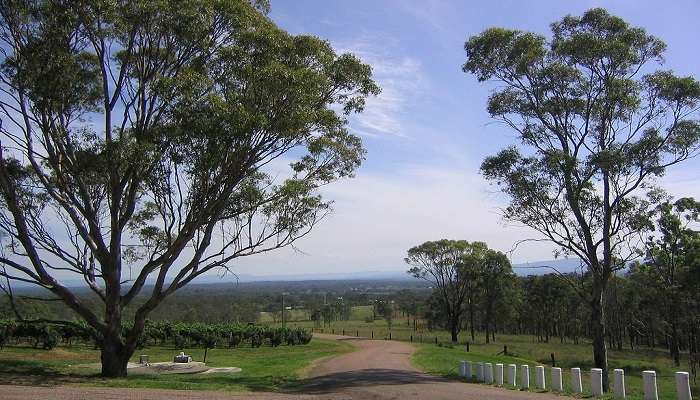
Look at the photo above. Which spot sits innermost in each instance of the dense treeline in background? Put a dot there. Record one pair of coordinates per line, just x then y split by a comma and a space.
548, 307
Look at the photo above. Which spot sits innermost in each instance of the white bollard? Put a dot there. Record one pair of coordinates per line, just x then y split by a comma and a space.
468, 370
539, 377
462, 366
488, 373
597, 381
512, 374
650, 392
619, 384
576, 385
557, 383
480, 372
524, 377
499, 374
683, 386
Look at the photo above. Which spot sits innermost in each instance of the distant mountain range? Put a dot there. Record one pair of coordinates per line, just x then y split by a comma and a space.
522, 269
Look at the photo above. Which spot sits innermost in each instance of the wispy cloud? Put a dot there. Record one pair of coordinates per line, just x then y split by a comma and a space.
401, 78
378, 216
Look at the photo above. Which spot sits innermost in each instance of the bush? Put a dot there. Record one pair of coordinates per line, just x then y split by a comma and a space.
234, 339
256, 340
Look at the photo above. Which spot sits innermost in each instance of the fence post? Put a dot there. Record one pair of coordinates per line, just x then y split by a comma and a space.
389, 335
411, 337
576, 384
512, 374
462, 368
524, 377
343, 332
499, 374
557, 383
650, 392
435, 339
619, 388
554, 362
597, 381
683, 386
467, 347
358, 334
539, 377
479, 372
372, 334
488, 372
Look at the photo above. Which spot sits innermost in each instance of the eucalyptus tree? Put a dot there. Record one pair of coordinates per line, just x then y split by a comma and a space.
496, 279
672, 254
137, 142
452, 267
597, 124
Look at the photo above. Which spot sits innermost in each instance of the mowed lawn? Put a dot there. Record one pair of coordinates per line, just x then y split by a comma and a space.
524, 350
263, 369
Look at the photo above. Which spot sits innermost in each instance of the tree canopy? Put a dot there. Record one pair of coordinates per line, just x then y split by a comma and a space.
138, 138
597, 125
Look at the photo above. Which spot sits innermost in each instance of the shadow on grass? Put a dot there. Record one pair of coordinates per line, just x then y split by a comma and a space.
32, 373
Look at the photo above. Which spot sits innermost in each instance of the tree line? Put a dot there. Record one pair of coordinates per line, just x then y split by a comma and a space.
654, 300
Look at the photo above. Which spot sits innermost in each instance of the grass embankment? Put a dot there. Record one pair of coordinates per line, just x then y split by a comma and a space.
263, 369
445, 360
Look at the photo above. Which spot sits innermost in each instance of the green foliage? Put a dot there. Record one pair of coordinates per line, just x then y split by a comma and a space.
193, 99
597, 127
181, 335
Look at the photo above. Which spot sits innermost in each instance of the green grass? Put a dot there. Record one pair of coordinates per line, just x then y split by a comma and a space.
292, 315
445, 360
525, 350
263, 369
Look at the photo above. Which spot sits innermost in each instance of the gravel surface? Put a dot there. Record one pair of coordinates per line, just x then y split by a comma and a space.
376, 370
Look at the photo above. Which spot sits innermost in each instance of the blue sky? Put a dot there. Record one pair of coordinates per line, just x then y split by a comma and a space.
428, 132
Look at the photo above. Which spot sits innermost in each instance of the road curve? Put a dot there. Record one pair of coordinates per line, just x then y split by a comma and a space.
376, 370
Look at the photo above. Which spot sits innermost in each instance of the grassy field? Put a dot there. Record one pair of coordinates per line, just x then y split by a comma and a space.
524, 350
443, 360
263, 369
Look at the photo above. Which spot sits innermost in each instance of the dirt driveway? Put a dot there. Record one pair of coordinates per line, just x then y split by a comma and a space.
376, 370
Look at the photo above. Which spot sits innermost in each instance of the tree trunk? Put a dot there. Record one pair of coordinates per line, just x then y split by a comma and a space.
674, 344
471, 319
600, 350
114, 357
454, 326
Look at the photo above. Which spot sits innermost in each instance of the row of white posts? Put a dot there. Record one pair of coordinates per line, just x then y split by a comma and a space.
493, 374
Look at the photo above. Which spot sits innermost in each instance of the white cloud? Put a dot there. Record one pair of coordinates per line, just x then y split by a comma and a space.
379, 216
401, 78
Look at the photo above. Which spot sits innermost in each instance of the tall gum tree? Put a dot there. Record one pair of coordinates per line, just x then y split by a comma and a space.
453, 267
597, 124
136, 138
